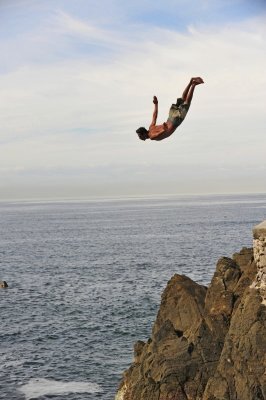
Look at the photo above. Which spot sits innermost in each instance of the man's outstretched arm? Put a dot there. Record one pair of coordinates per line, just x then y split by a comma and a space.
155, 112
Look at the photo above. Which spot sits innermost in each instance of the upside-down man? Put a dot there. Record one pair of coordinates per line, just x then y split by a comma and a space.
177, 114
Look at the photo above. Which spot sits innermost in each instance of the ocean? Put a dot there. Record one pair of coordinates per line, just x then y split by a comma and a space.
85, 280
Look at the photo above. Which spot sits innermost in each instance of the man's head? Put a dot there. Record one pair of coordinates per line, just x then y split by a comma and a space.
142, 133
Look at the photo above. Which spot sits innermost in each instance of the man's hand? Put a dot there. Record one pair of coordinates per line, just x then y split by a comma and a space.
155, 100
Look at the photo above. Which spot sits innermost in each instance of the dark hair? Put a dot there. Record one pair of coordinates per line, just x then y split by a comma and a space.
142, 133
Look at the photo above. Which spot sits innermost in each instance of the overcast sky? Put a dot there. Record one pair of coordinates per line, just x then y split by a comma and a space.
77, 79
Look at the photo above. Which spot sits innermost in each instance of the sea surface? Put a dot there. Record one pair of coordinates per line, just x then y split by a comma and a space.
85, 280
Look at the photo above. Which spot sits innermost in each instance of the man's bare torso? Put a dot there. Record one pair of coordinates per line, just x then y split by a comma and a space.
160, 132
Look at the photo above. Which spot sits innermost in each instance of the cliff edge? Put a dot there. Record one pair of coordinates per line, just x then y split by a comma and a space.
206, 343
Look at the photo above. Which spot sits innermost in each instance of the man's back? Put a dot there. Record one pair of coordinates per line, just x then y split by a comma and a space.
160, 132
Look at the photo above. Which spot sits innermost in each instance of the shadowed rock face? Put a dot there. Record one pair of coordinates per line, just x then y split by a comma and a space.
206, 344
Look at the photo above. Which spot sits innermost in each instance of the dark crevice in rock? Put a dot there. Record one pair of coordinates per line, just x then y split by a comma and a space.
190, 348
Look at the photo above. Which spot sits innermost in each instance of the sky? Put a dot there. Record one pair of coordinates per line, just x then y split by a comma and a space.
77, 78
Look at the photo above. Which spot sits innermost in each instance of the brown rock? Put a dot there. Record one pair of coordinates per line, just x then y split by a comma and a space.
242, 364
205, 344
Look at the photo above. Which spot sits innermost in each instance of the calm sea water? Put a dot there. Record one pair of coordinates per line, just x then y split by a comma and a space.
85, 280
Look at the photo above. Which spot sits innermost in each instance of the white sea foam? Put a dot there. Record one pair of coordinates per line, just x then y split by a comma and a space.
40, 387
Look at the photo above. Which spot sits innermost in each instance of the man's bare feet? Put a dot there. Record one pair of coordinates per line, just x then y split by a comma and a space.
197, 81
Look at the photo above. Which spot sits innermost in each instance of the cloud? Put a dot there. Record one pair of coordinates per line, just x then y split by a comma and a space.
79, 110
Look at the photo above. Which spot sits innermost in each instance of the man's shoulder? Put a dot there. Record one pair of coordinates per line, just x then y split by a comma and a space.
152, 126
159, 132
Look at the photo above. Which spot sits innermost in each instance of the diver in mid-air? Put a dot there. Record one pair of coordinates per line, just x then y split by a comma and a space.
177, 114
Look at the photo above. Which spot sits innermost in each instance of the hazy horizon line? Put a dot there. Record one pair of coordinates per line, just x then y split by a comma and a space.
68, 199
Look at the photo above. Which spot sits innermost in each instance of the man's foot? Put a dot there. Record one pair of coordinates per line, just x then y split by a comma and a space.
197, 81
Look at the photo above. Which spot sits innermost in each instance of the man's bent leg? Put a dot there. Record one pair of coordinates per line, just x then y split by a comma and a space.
185, 93
189, 96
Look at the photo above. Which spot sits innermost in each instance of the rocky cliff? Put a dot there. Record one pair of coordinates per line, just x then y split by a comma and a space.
206, 343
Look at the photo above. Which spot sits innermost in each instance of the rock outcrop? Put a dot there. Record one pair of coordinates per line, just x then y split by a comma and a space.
259, 245
206, 343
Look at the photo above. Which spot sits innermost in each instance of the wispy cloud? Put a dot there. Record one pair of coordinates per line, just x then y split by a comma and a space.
76, 100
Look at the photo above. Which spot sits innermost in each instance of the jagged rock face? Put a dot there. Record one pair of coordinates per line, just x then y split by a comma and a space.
259, 245
206, 344
242, 364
